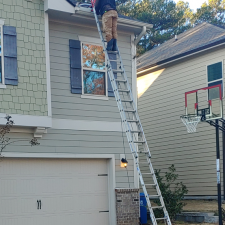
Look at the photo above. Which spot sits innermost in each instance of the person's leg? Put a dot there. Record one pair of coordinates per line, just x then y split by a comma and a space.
114, 30
107, 28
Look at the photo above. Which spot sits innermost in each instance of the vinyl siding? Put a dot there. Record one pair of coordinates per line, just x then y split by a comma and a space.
79, 142
160, 108
71, 106
66, 105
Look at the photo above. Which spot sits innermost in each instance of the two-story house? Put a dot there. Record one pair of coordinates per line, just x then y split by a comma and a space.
193, 60
55, 87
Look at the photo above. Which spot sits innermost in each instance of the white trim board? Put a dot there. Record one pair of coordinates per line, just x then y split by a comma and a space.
56, 155
111, 171
59, 5
48, 75
86, 125
28, 120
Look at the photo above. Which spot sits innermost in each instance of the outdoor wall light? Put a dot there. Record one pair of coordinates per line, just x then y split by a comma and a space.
124, 162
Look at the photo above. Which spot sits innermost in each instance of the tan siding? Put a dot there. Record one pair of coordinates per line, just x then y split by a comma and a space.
160, 107
66, 105
80, 142
70, 106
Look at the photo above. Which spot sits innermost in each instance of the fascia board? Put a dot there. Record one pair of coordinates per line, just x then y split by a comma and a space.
58, 5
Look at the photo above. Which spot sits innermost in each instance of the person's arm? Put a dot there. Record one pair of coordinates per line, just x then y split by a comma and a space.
97, 7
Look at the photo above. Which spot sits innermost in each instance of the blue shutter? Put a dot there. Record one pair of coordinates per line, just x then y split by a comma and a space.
10, 55
114, 66
75, 67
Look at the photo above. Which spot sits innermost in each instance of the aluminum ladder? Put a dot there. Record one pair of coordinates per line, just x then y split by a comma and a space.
132, 124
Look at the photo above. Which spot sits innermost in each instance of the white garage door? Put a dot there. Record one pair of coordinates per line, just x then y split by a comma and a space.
53, 192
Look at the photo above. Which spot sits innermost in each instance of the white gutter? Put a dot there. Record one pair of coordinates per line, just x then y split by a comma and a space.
85, 12
143, 32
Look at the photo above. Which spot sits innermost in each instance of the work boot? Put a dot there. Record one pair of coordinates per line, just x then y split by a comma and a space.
109, 45
114, 48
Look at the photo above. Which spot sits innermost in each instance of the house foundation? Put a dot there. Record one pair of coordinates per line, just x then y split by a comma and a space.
127, 206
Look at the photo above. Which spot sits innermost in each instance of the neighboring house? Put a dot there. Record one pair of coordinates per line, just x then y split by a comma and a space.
54, 84
165, 73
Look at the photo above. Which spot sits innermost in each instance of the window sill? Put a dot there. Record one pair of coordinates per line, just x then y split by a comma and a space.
2, 86
105, 98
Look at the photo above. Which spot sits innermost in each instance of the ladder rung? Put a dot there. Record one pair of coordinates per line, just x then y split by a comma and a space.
133, 121
129, 110
118, 71
149, 185
114, 60
140, 142
144, 152
112, 52
126, 101
121, 90
154, 196
124, 81
164, 218
147, 173
135, 131
157, 207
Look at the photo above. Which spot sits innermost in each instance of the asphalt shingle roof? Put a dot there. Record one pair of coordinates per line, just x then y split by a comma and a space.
192, 40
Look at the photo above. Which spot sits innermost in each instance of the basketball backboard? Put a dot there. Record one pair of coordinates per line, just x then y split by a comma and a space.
205, 102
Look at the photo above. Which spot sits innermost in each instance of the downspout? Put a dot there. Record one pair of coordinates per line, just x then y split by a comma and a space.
134, 88
143, 32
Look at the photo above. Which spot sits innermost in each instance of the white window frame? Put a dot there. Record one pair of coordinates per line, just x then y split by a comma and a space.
221, 79
2, 84
92, 41
90, 69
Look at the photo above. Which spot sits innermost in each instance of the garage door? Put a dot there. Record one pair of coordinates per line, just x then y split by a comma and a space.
53, 192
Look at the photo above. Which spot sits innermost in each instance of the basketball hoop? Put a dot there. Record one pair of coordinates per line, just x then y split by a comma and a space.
191, 122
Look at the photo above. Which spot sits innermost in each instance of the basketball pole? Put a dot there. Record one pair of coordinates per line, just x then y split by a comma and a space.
223, 124
218, 172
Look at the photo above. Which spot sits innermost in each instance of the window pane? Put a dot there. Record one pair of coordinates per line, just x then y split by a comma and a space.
214, 71
93, 56
94, 82
214, 92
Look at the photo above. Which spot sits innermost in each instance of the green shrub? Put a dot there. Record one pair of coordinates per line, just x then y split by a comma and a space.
173, 193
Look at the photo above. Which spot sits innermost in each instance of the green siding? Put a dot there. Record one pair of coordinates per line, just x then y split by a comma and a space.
30, 96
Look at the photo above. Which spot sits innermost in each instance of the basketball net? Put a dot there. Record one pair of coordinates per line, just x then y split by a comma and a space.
191, 122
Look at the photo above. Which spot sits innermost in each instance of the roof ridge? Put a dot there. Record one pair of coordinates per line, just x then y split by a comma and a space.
200, 37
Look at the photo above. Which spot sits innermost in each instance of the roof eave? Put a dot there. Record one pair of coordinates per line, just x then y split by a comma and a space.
86, 12
144, 70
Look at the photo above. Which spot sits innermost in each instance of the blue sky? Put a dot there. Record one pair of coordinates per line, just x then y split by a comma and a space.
194, 4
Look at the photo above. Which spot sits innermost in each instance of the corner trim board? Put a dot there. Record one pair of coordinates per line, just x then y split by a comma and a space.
48, 75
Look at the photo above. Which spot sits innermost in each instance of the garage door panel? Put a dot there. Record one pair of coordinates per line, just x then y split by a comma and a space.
71, 192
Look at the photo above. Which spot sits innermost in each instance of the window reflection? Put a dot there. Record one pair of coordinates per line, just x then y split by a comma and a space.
93, 57
94, 82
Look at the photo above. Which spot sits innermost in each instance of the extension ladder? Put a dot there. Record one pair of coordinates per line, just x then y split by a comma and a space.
132, 124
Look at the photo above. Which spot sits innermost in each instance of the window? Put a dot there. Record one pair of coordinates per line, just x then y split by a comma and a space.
215, 76
93, 70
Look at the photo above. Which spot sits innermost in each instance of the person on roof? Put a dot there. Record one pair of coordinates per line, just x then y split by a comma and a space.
107, 9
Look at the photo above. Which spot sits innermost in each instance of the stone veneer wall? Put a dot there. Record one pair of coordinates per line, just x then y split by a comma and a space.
30, 96
127, 206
